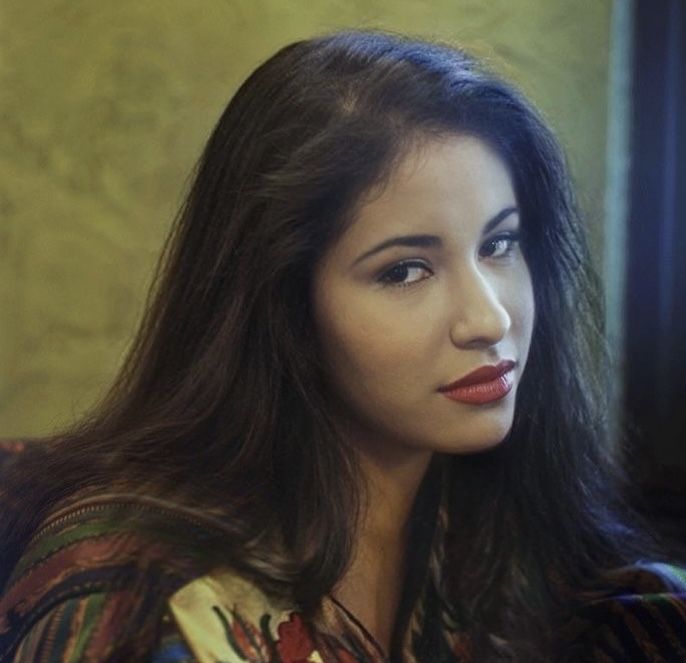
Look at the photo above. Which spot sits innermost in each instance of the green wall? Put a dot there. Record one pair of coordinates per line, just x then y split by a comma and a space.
105, 108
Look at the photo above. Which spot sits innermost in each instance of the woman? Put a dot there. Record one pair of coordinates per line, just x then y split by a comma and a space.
363, 419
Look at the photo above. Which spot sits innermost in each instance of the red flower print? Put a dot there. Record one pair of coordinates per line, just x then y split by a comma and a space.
244, 637
294, 644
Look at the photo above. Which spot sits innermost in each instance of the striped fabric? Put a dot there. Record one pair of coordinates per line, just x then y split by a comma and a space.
644, 620
94, 582
91, 587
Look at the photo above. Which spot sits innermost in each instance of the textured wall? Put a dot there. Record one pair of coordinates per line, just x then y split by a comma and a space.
105, 107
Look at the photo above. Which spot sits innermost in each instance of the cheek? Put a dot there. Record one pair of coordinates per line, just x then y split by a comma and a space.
367, 345
366, 342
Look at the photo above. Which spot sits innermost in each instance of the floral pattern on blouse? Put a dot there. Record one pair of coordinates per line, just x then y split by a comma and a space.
224, 618
92, 588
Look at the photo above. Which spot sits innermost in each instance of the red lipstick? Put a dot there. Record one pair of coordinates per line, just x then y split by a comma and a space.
484, 385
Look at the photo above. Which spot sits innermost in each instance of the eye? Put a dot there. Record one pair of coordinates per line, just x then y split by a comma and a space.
405, 274
501, 246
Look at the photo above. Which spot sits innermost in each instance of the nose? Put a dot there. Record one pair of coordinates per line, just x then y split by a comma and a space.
480, 319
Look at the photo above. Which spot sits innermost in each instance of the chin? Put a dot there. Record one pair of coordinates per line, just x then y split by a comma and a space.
476, 448
485, 444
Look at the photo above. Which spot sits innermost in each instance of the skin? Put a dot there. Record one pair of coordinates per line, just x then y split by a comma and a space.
397, 324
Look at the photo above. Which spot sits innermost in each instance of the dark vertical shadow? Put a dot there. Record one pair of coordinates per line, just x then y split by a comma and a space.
655, 306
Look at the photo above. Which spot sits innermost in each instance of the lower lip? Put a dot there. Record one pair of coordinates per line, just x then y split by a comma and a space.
483, 392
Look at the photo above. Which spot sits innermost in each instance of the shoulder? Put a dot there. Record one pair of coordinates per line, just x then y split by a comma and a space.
640, 617
94, 579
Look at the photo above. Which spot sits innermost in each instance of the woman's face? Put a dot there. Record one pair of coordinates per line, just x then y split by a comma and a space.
425, 286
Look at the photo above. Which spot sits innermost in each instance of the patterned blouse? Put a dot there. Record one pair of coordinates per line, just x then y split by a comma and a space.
91, 588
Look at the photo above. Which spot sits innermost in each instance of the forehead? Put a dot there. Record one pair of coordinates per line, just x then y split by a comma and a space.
448, 184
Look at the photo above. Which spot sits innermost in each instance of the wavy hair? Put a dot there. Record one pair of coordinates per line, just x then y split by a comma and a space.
222, 403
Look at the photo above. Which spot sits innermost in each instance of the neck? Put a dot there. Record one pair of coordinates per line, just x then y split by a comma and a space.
372, 587
392, 488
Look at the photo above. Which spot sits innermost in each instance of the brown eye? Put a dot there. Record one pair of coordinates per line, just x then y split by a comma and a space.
405, 273
501, 246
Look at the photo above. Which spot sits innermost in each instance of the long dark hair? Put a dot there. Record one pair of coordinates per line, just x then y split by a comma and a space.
222, 404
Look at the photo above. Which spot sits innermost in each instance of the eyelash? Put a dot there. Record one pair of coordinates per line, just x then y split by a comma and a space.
512, 239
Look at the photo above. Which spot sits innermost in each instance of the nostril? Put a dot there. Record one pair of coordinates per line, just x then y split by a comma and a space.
487, 322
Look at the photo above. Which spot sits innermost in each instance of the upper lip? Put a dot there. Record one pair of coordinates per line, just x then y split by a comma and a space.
482, 374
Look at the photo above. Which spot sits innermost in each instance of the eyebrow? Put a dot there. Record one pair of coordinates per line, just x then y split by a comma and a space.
432, 241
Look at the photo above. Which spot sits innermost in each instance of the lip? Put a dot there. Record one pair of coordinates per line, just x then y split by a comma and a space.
483, 392
482, 375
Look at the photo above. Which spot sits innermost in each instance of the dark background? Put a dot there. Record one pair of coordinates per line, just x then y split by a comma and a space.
655, 304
